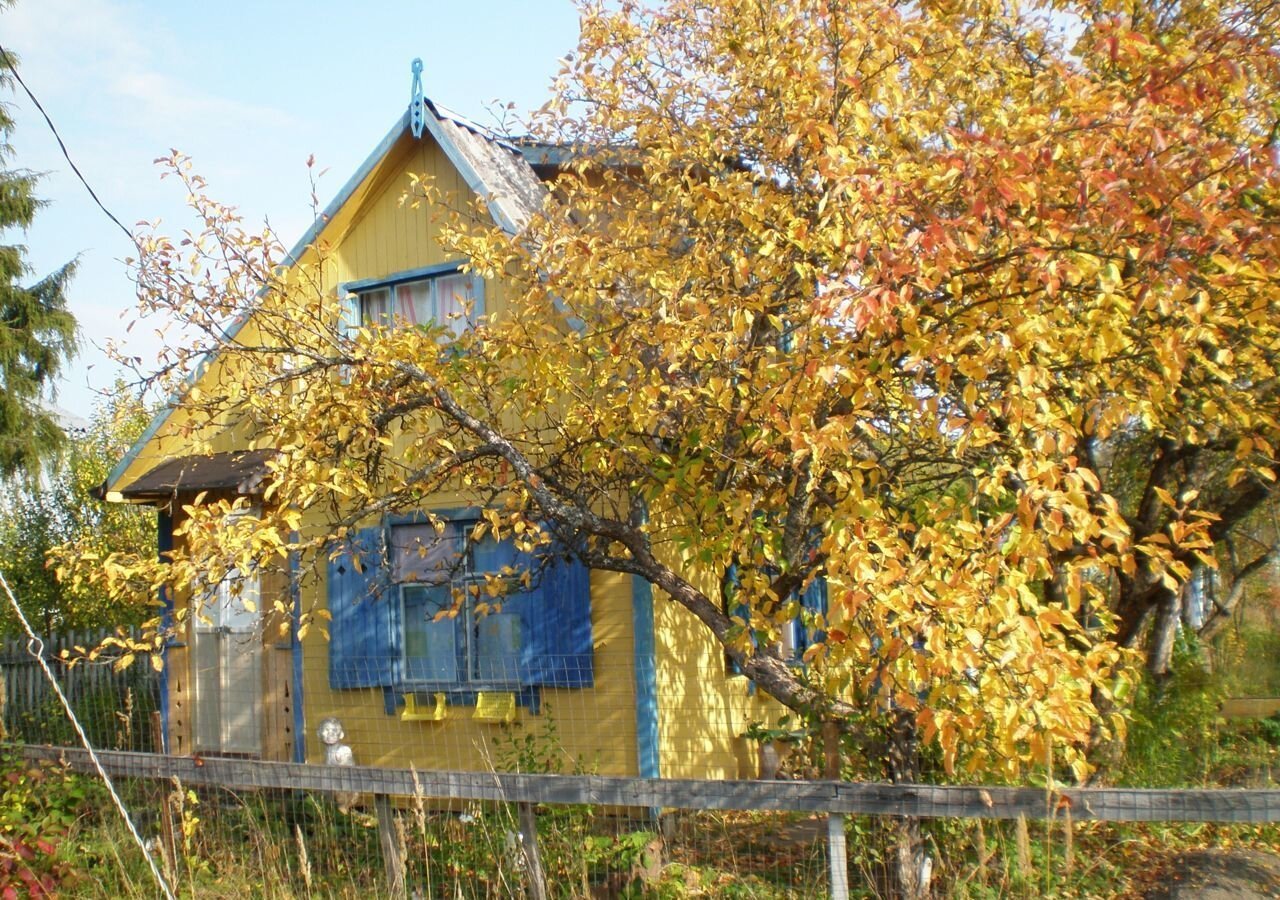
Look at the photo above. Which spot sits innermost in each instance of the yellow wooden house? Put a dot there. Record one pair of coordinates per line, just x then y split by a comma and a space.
592, 669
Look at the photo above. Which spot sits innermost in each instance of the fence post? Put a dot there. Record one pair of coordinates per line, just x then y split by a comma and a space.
392, 860
838, 853
532, 858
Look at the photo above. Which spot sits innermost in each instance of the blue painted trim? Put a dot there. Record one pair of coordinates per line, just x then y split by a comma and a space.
294, 254
422, 517
548, 154
646, 677
164, 546
416, 110
419, 274
295, 625
561, 155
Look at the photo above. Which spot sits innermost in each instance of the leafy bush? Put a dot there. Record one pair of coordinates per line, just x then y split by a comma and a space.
39, 805
1173, 737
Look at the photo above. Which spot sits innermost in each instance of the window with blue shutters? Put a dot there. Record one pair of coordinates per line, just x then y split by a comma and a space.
361, 646
426, 617
795, 636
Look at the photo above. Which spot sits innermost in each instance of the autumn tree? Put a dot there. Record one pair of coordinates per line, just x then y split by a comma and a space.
37, 332
61, 509
872, 293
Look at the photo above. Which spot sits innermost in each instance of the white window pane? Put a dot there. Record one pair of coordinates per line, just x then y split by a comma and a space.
789, 640
430, 636
422, 554
453, 296
237, 604
413, 302
375, 307
498, 647
488, 555
208, 677
241, 692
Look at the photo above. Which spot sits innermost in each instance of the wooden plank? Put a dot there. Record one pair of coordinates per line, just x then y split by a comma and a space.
837, 857
392, 858
1250, 707
537, 879
847, 798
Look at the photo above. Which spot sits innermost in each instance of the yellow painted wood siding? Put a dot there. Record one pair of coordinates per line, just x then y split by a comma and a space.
374, 236
702, 708
389, 234
580, 729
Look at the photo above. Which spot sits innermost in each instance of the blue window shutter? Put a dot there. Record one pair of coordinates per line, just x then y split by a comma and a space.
814, 601
363, 626
555, 616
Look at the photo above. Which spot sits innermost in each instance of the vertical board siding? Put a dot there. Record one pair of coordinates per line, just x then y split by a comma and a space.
703, 708
375, 235
388, 235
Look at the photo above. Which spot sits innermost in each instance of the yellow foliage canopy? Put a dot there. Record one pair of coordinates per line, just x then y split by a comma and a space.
857, 291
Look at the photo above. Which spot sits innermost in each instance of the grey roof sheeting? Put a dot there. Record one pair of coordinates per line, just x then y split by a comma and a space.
241, 470
492, 167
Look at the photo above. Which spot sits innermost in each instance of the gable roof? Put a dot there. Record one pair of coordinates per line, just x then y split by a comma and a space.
495, 169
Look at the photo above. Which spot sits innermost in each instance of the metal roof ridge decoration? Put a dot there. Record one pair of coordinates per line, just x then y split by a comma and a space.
417, 111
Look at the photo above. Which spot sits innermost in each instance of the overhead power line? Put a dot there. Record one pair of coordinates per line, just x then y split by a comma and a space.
8, 62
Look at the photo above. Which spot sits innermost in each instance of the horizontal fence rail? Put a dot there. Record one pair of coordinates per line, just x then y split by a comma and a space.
832, 797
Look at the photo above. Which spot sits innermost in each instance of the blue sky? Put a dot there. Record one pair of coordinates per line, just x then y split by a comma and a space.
249, 90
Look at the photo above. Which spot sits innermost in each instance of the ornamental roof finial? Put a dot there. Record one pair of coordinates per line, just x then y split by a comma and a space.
417, 104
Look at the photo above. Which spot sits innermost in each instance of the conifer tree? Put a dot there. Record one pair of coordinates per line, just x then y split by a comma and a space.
37, 331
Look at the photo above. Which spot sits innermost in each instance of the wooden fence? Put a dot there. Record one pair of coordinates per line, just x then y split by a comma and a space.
847, 798
836, 799
1250, 707
113, 706
117, 710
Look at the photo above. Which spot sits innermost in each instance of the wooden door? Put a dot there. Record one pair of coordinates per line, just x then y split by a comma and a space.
227, 668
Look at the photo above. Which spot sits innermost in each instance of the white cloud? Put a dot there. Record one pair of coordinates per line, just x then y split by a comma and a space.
109, 58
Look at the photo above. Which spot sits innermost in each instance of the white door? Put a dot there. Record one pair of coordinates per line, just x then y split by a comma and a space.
228, 668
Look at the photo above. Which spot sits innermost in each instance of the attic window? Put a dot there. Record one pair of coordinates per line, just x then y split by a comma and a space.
450, 298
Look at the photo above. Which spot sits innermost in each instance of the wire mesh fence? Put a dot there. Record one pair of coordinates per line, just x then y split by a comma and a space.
433, 787
217, 842
356, 831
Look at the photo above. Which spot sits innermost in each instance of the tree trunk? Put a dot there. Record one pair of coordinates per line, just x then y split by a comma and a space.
908, 868
1164, 633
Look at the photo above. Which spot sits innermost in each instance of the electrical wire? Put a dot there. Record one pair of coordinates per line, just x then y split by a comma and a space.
8, 61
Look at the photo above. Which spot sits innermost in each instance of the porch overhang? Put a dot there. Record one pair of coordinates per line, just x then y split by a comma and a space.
241, 471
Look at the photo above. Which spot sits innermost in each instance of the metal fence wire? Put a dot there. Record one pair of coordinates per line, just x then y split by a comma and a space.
452, 794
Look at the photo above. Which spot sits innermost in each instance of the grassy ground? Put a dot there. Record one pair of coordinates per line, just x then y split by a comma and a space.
60, 836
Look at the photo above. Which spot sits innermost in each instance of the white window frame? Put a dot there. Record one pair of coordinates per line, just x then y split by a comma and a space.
465, 623
360, 294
